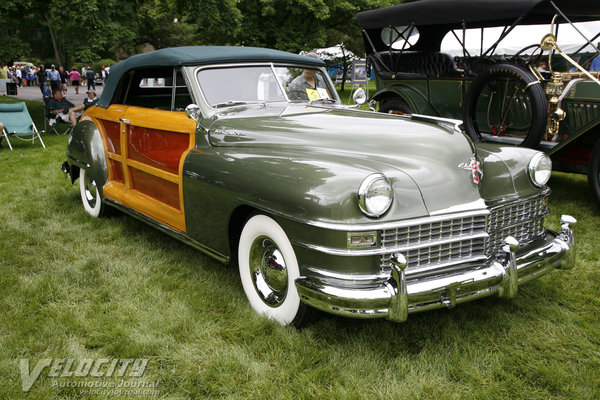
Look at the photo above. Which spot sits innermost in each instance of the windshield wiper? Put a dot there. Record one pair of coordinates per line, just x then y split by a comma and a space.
232, 103
330, 101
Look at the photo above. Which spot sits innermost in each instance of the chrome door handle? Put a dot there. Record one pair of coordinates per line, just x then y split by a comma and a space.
125, 121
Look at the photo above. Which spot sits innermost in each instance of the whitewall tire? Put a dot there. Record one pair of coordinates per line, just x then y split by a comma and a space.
90, 195
268, 270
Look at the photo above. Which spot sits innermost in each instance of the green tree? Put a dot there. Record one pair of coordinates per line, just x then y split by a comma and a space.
159, 25
296, 25
76, 28
88, 30
216, 22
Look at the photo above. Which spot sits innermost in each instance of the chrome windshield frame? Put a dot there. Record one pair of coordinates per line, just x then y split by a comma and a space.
212, 110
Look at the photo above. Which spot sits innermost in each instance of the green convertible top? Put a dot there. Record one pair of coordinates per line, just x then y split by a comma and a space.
197, 55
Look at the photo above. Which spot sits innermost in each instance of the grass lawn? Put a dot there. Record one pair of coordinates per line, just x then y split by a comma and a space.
74, 287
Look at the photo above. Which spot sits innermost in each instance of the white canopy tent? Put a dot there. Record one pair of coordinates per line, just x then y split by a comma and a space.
334, 52
568, 39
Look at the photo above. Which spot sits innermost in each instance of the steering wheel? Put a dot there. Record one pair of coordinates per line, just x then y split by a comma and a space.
529, 59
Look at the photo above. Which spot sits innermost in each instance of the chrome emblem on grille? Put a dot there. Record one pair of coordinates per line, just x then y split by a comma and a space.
475, 167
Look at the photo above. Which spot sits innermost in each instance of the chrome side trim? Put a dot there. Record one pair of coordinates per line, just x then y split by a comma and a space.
386, 250
169, 231
371, 226
475, 205
327, 274
398, 224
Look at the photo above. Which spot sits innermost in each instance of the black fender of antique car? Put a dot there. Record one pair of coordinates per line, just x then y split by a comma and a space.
85, 150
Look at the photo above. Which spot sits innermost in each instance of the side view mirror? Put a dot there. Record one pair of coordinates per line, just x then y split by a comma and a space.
193, 112
359, 96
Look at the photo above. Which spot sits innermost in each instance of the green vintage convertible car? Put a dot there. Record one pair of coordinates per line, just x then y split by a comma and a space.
248, 155
516, 72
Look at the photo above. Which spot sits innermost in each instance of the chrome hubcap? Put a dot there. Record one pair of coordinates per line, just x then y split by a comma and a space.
91, 191
268, 271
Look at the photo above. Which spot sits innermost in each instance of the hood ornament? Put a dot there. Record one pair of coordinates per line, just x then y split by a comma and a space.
475, 167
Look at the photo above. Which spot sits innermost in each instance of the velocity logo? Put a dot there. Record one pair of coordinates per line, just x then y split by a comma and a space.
66, 368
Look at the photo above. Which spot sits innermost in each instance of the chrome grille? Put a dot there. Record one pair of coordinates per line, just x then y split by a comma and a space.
443, 253
524, 221
442, 243
434, 231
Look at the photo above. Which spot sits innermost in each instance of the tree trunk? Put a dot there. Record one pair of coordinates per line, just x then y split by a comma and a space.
55, 43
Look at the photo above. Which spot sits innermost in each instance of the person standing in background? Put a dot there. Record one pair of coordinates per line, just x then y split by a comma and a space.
90, 76
75, 78
32, 77
19, 76
42, 77
64, 79
54, 78
83, 76
25, 76
3, 77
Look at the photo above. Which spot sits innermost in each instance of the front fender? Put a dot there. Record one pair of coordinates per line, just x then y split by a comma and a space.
415, 99
298, 188
503, 164
85, 149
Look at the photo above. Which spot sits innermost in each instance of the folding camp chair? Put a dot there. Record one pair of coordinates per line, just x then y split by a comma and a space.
18, 123
48, 126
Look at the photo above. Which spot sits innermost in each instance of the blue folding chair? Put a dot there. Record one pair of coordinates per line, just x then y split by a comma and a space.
51, 123
18, 123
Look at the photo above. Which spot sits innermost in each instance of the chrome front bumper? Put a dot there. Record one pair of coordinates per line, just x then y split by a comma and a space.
398, 297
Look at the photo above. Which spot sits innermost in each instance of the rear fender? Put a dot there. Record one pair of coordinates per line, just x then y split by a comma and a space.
85, 150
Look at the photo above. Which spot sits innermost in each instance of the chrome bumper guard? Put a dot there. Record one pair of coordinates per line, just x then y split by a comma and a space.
398, 297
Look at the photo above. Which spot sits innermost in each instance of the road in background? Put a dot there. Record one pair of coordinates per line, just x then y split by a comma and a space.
34, 93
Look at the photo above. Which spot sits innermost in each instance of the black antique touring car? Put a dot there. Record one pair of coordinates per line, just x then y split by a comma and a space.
482, 61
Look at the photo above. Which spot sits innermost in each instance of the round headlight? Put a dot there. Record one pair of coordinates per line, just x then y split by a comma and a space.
540, 169
375, 195
359, 96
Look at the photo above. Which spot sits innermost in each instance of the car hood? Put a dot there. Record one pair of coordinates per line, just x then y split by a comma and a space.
429, 155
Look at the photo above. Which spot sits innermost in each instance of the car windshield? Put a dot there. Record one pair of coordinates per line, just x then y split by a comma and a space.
231, 86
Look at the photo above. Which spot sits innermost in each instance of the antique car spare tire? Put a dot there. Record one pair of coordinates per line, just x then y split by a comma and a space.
507, 101
90, 195
268, 270
395, 106
594, 172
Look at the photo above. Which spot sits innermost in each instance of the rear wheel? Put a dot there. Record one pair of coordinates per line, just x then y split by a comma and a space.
268, 271
90, 195
506, 100
395, 106
594, 172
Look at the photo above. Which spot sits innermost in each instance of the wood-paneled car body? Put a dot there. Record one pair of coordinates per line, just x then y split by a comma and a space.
240, 153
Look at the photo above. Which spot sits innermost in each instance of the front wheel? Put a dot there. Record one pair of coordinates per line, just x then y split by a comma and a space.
395, 106
90, 195
594, 172
268, 271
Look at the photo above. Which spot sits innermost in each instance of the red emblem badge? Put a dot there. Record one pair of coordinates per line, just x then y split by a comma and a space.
475, 167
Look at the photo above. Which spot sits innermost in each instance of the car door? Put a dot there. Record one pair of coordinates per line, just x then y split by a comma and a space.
147, 138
